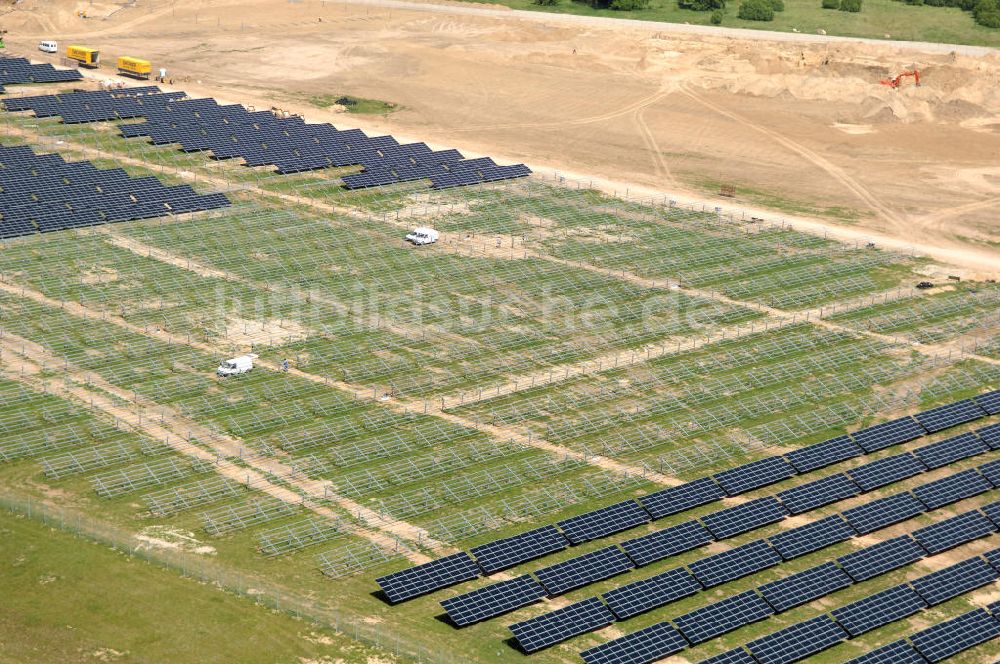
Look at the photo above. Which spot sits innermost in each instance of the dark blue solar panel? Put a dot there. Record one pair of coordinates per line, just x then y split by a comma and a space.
734, 656
879, 609
493, 600
883, 512
823, 454
641, 596
948, 451
990, 435
551, 628
811, 537
991, 471
886, 471
723, 616
952, 532
676, 499
582, 570
501, 554
951, 489
428, 577
605, 521
881, 436
743, 518
990, 402
810, 584
951, 637
817, 493
880, 558
666, 542
754, 475
797, 641
992, 511
949, 415
641, 647
728, 565
897, 652
993, 557
955, 580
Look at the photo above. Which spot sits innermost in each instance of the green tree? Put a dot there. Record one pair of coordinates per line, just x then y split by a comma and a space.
717, 17
701, 5
756, 10
987, 13
850, 5
546, 3
831, 4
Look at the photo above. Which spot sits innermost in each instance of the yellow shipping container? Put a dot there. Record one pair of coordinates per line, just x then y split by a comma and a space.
88, 57
134, 67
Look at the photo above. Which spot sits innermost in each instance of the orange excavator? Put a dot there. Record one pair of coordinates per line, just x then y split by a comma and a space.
895, 82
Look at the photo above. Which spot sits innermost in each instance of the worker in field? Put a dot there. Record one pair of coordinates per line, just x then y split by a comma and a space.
284, 365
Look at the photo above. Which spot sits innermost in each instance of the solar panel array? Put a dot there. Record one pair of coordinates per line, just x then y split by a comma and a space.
951, 489
422, 579
887, 434
797, 641
791, 591
679, 498
953, 532
990, 435
955, 580
510, 551
723, 616
879, 609
493, 600
823, 454
989, 402
875, 474
44, 193
646, 645
883, 512
949, 415
666, 542
951, 450
261, 138
897, 652
641, 596
882, 557
551, 628
811, 536
951, 637
20, 70
754, 475
735, 563
588, 568
742, 518
605, 521
817, 493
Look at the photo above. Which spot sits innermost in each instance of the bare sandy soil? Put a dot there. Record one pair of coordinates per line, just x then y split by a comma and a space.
802, 127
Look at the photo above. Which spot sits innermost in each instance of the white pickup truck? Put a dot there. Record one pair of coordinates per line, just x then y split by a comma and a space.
422, 235
237, 365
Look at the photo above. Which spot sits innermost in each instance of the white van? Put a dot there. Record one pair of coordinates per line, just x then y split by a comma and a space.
48, 47
237, 365
422, 235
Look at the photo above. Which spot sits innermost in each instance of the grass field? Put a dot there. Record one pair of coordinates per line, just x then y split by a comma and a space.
557, 351
878, 19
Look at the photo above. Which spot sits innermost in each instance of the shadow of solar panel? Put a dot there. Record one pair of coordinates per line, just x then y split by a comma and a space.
883, 512
990, 402
889, 433
879, 609
551, 628
949, 415
493, 600
641, 647
675, 499
991, 471
641, 596
811, 537
582, 570
734, 656
897, 652
951, 489
885, 471
735, 563
422, 579
952, 532
805, 586
754, 475
605, 521
882, 557
743, 518
990, 435
955, 580
948, 451
503, 553
666, 542
951, 637
817, 493
723, 616
824, 454
797, 641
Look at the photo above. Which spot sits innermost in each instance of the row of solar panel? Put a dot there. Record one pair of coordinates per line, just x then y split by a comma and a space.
43, 193
20, 70
260, 138
508, 552
805, 639
642, 596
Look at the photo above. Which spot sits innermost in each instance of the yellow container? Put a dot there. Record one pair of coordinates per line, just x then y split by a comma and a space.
134, 67
88, 57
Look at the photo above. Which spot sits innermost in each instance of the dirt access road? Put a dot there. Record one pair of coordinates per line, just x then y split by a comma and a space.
801, 127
